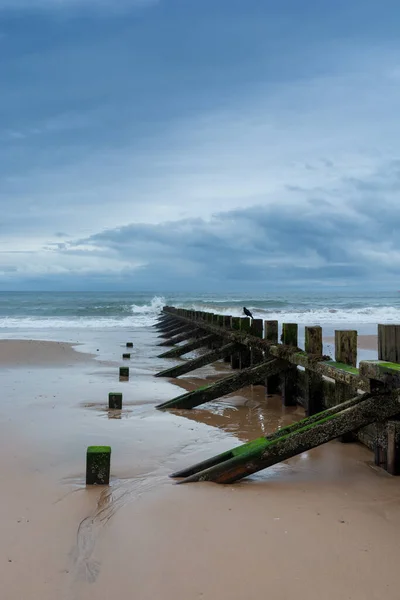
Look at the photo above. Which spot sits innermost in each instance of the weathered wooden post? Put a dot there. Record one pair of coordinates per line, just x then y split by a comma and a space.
257, 329
98, 459
313, 381
129, 344
345, 353
235, 357
124, 372
387, 444
115, 401
272, 384
126, 356
228, 325
245, 354
289, 377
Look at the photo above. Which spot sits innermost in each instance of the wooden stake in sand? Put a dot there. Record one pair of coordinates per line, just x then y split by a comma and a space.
124, 372
129, 344
98, 459
126, 356
115, 400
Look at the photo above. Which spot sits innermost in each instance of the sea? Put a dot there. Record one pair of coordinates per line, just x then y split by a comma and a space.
22, 311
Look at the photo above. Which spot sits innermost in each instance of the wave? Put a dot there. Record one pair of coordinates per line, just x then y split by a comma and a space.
98, 317
313, 316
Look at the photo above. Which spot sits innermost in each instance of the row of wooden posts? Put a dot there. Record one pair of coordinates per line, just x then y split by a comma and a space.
302, 376
98, 458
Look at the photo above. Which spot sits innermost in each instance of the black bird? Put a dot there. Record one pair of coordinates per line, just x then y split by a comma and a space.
247, 312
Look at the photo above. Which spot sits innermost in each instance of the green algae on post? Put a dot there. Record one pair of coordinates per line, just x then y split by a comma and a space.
98, 459
126, 356
129, 344
124, 372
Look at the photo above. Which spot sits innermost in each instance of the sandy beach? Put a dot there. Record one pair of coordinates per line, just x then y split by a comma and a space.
320, 525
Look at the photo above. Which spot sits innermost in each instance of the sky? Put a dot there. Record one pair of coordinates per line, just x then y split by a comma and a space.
199, 145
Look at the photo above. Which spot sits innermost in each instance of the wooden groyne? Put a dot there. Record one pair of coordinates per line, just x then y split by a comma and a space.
341, 401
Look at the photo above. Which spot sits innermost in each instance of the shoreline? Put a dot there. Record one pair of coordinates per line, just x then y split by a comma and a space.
327, 507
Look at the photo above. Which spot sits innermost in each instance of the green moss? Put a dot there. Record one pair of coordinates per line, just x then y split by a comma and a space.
342, 367
389, 365
99, 450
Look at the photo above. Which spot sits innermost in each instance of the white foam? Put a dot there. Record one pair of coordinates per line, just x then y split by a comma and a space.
317, 316
142, 316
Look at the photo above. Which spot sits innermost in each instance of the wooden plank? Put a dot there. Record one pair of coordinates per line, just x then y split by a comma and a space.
187, 335
200, 361
224, 456
225, 386
189, 347
265, 454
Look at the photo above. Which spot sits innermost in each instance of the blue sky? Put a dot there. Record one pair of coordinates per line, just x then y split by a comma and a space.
199, 145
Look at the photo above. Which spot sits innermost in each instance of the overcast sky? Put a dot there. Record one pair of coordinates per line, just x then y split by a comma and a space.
199, 144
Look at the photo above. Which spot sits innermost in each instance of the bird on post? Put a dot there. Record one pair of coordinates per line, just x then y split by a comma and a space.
247, 312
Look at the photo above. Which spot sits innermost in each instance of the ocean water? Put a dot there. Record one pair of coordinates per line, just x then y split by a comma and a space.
95, 310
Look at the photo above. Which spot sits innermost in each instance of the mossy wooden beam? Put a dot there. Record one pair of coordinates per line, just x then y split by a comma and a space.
200, 361
189, 347
225, 386
168, 321
385, 372
268, 453
224, 456
186, 335
177, 330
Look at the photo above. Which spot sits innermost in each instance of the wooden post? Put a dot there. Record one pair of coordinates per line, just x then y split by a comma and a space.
235, 357
272, 384
124, 372
228, 325
387, 444
389, 343
257, 329
98, 460
289, 378
129, 344
345, 353
126, 356
314, 382
115, 400
245, 354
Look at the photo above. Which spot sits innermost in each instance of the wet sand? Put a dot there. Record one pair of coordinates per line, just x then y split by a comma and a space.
323, 524
364, 342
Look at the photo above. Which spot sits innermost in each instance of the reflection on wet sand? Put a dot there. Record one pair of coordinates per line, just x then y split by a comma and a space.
248, 416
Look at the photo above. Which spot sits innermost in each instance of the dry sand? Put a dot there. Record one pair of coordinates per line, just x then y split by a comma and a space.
322, 525
38, 352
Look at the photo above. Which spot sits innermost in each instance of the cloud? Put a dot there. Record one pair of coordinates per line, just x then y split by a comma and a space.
172, 154
56, 5
273, 246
